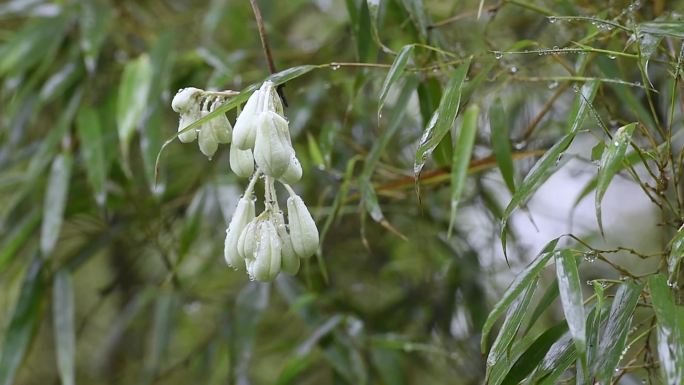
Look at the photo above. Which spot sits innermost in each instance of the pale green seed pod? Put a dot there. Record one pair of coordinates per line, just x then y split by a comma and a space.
244, 132
303, 231
272, 150
185, 99
241, 161
187, 119
267, 262
222, 129
290, 260
294, 171
247, 242
273, 99
207, 141
244, 214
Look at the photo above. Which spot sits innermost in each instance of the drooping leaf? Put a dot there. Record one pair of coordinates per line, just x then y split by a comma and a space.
92, 151
611, 162
676, 252
670, 334
544, 304
55, 202
461, 159
394, 74
95, 19
134, 90
542, 170
558, 358
249, 306
64, 325
522, 280
534, 354
570, 290
18, 237
23, 321
162, 331
615, 333
442, 120
501, 143
581, 106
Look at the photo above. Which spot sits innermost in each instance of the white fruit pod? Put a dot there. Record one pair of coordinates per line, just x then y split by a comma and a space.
290, 260
303, 231
267, 261
294, 171
223, 131
272, 149
208, 143
187, 119
244, 131
244, 214
186, 99
241, 161
247, 242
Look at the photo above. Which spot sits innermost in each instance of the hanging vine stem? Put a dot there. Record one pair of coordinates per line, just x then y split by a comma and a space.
266, 46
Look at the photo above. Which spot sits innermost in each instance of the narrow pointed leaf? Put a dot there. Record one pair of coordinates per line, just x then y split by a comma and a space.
611, 162
670, 334
676, 252
55, 202
461, 158
92, 150
132, 100
543, 305
501, 143
615, 334
570, 290
559, 357
521, 281
394, 74
95, 21
22, 323
581, 106
442, 120
63, 318
542, 170
249, 306
534, 354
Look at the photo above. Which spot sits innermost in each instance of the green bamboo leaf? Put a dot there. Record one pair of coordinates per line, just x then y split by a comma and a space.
670, 334
581, 106
522, 280
542, 170
60, 81
22, 323
615, 333
662, 28
55, 202
534, 354
442, 120
626, 95
501, 143
134, 89
315, 152
571, 297
461, 160
676, 252
394, 74
611, 162
18, 237
559, 357
498, 363
64, 329
95, 20
164, 310
92, 151
544, 303
250, 304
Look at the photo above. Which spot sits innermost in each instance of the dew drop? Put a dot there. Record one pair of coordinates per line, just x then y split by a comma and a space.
590, 257
498, 55
513, 69
553, 85
556, 48
335, 66
611, 57
552, 19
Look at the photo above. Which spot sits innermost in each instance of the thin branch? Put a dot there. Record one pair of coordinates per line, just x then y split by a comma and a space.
264, 44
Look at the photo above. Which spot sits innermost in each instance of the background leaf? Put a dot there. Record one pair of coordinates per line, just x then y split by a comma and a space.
64, 325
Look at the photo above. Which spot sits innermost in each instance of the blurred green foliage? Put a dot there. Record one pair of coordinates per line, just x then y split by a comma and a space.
111, 268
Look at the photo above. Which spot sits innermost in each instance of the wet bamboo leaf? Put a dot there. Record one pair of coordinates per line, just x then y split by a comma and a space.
632, 104
662, 28
676, 252
60, 81
544, 304
315, 152
95, 19
134, 89
581, 106
55, 202
22, 323
522, 280
611, 162
559, 357
670, 334
18, 237
534, 354
501, 143
92, 151
461, 159
249, 306
394, 74
162, 331
542, 170
498, 362
615, 334
571, 297
442, 120
63, 318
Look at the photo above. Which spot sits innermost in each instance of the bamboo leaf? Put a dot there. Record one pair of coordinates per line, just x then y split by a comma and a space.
559, 357
55, 202
544, 303
581, 106
461, 159
22, 323
571, 297
615, 334
521, 281
134, 89
676, 252
542, 170
249, 306
18, 237
92, 151
164, 310
442, 120
534, 354
670, 335
395, 72
63, 318
611, 162
501, 143
95, 21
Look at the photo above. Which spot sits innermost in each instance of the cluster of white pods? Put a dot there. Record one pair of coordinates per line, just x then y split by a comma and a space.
261, 148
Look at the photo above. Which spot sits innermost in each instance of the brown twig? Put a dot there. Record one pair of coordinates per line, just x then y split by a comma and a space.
264, 44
